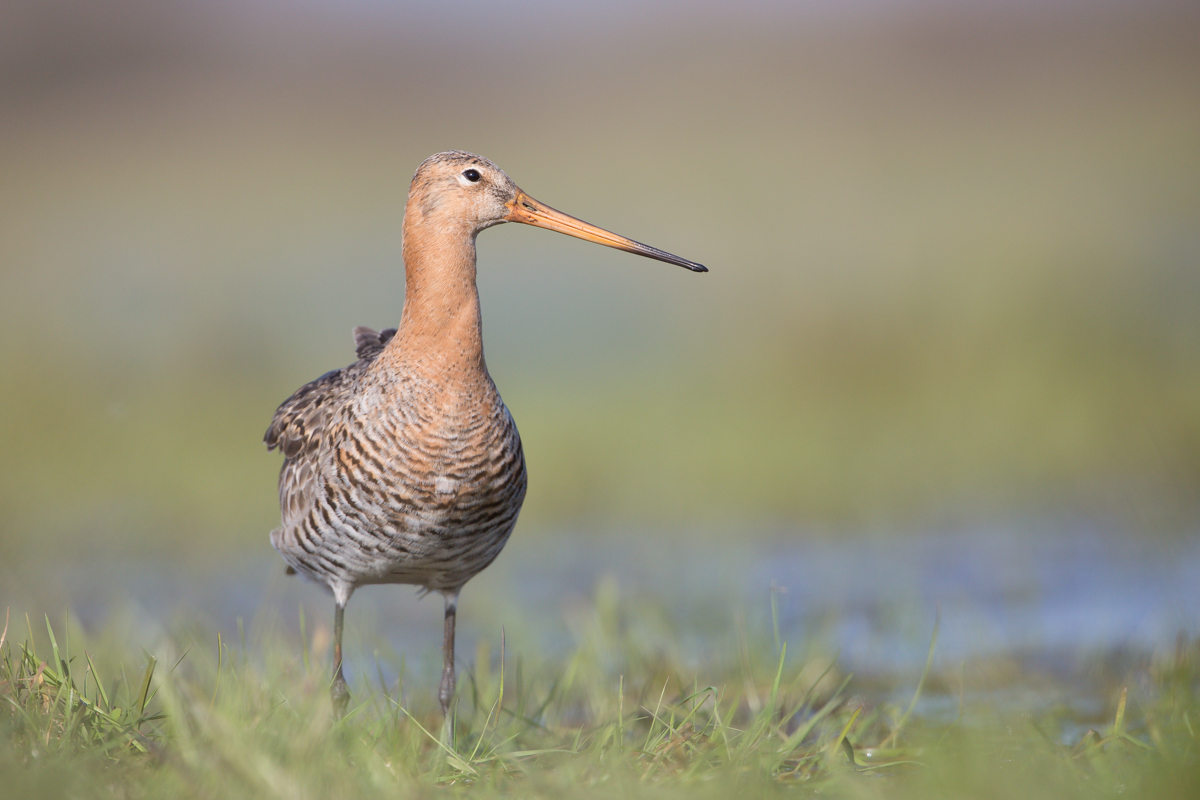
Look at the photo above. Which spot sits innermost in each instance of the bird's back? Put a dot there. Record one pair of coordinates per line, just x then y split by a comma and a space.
395, 474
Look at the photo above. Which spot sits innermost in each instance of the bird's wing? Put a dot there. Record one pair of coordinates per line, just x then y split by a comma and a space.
299, 424
300, 420
368, 343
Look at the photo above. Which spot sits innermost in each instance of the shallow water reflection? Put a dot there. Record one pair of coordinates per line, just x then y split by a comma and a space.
1044, 598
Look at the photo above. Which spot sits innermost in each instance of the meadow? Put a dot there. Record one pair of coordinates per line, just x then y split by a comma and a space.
944, 375
616, 716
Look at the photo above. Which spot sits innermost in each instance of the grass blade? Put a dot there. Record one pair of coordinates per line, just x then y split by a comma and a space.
99, 682
937, 622
798, 736
143, 696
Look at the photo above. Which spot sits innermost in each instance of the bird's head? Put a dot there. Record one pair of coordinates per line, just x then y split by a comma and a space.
460, 188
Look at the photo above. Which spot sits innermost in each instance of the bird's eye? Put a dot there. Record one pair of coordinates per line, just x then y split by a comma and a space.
472, 175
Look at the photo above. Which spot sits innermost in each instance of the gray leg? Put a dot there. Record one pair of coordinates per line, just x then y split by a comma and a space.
339, 692
446, 693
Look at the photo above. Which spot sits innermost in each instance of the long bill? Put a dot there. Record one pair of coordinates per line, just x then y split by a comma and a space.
524, 208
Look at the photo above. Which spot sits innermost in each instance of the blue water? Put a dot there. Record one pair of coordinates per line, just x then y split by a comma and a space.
1025, 588
1049, 598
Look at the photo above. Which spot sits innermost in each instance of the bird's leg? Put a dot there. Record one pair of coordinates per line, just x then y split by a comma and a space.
338, 691
446, 693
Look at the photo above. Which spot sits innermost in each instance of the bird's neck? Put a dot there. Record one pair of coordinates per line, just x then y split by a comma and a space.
441, 326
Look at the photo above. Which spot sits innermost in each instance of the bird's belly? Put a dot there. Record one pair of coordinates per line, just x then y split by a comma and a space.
431, 511
435, 538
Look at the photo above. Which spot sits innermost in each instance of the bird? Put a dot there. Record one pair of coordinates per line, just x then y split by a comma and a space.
405, 466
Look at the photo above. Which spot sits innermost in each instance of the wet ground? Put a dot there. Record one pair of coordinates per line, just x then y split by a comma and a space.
1029, 609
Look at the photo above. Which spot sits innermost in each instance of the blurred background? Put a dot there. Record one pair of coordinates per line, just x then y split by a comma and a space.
948, 353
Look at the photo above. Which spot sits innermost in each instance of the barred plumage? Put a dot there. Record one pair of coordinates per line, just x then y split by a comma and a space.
412, 491
405, 466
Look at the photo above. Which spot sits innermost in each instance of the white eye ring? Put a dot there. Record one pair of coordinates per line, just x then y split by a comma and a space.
470, 175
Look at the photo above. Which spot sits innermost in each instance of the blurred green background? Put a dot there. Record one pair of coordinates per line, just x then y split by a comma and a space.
955, 257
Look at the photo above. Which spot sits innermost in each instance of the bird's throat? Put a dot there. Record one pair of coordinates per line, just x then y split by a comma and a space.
441, 322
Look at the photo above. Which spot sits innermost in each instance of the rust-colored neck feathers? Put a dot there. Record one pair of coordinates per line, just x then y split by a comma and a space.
440, 327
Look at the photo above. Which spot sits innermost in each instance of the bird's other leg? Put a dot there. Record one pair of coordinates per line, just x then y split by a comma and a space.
446, 692
338, 691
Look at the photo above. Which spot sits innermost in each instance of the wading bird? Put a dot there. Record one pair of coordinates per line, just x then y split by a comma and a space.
406, 467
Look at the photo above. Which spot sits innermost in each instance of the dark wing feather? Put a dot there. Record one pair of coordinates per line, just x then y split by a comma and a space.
298, 426
300, 421
368, 343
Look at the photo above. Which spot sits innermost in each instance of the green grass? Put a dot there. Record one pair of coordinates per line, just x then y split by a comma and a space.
953, 275
201, 718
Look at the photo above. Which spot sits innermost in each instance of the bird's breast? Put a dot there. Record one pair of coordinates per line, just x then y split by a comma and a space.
430, 457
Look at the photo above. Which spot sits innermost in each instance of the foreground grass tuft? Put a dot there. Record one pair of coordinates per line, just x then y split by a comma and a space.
230, 723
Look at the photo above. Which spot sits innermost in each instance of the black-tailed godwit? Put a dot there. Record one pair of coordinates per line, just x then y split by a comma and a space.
406, 467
